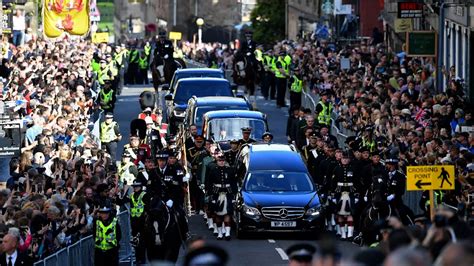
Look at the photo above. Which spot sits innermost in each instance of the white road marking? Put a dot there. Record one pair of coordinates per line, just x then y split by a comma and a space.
282, 253
271, 241
128, 100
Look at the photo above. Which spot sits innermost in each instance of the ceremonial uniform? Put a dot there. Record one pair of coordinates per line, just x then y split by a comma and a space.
231, 157
195, 157
222, 189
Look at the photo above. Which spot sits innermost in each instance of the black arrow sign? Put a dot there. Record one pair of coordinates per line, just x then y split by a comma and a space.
419, 184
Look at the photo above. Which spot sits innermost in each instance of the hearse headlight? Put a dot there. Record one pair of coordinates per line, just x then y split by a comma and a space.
251, 211
313, 212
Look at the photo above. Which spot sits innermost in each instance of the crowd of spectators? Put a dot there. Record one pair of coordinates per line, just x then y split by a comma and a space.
56, 184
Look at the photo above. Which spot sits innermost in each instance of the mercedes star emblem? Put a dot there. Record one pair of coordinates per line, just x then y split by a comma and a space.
283, 213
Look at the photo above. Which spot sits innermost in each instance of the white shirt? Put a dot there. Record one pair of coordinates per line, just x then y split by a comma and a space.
19, 23
14, 255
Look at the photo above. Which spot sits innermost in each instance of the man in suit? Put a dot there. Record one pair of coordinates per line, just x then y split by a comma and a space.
11, 255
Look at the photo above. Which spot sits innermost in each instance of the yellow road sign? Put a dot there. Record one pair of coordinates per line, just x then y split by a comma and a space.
430, 177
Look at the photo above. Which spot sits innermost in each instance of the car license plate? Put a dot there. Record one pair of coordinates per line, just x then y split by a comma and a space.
283, 224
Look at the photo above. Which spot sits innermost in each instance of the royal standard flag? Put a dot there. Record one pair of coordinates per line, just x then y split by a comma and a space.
70, 16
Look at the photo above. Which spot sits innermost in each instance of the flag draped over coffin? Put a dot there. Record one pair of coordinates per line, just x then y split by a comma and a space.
65, 16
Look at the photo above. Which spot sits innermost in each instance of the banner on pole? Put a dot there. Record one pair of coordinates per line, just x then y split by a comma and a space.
65, 16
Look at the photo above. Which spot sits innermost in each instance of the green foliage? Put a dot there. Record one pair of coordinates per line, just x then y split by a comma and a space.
268, 21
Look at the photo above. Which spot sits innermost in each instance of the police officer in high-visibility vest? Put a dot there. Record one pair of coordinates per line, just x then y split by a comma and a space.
132, 72
281, 75
107, 97
139, 203
143, 69
147, 51
127, 170
324, 109
296, 89
268, 82
110, 135
107, 235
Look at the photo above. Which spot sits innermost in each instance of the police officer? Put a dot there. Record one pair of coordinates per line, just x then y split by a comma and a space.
163, 52
246, 131
127, 170
132, 72
107, 235
139, 204
296, 88
232, 153
281, 73
143, 69
375, 174
343, 186
248, 46
268, 82
110, 135
222, 188
324, 109
107, 97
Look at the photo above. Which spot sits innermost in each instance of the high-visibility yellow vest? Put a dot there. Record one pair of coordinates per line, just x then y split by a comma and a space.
124, 173
324, 117
147, 50
106, 236
258, 55
287, 60
143, 63
297, 85
133, 56
368, 144
112, 68
138, 206
106, 99
107, 132
277, 71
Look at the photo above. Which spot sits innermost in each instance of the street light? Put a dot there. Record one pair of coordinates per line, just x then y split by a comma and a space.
199, 23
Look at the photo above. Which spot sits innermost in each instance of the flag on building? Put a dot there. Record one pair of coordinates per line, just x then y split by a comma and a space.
65, 16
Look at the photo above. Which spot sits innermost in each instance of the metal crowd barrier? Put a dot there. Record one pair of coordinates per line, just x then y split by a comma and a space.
81, 253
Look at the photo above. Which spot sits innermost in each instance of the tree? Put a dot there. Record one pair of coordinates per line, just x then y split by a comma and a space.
268, 21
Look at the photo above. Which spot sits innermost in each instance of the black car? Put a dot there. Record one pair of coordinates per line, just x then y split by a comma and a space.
198, 106
277, 192
177, 101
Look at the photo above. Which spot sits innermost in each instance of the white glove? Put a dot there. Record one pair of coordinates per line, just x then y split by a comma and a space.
166, 56
356, 200
365, 198
380, 180
334, 200
169, 203
390, 197
186, 177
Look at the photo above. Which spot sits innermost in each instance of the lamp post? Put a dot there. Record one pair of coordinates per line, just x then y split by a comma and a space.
199, 23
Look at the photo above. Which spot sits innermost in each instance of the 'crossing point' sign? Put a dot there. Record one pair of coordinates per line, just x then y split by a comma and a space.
430, 177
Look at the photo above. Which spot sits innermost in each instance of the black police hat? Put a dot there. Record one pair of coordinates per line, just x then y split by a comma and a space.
375, 153
126, 153
364, 149
137, 183
207, 255
105, 207
109, 115
162, 155
346, 154
246, 129
392, 161
301, 252
234, 141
